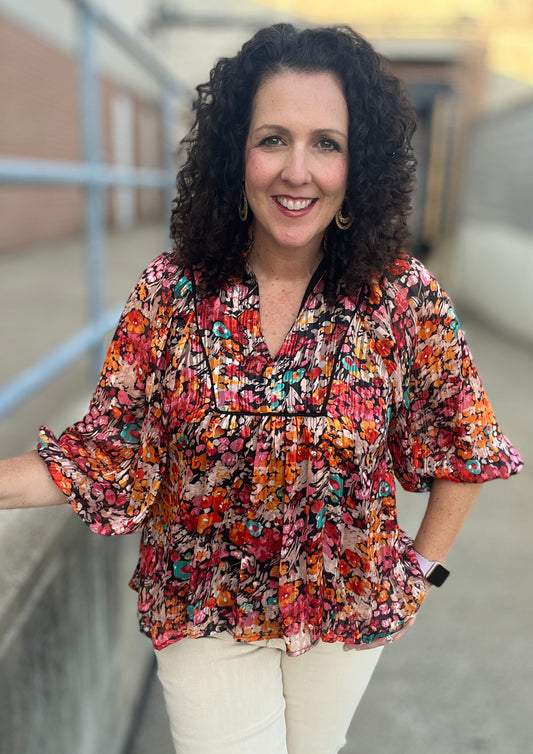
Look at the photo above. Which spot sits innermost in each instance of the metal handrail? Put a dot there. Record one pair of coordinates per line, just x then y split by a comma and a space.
30, 380
15, 170
96, 177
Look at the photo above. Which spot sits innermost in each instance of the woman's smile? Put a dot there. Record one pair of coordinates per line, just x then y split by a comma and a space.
294, 205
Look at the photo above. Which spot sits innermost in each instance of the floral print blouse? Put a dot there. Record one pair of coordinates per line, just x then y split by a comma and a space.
265, 487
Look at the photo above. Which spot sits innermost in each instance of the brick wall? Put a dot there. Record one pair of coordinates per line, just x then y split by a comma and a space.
40, 119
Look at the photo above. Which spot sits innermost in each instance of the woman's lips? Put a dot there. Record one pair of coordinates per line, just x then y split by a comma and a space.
293, 205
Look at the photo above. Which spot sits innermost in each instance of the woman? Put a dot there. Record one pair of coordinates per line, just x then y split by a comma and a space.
268, 380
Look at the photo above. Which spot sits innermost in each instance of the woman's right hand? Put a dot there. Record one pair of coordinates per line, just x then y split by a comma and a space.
25, 482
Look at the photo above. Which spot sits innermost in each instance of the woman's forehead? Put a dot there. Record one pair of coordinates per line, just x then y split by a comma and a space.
287, 91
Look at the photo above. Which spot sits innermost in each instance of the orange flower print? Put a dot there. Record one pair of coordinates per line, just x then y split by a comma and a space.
383, 596
420, 449
344, 568
224, 598
353, 558
288, 593
62, 481
135, 322
206, 520
149, 454
238, 533
427, 329
369, 431
112, 360
384, 346
376, 292
329, 594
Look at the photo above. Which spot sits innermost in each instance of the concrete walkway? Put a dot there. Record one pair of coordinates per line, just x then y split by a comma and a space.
461, 681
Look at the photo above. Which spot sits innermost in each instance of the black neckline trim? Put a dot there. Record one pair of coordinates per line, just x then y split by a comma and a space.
317, 275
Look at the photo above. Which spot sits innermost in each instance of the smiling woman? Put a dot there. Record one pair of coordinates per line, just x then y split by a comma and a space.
269, 380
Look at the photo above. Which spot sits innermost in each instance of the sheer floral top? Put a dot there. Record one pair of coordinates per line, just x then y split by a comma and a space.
265, 488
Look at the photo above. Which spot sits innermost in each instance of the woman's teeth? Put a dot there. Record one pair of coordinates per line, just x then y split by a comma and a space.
294, 203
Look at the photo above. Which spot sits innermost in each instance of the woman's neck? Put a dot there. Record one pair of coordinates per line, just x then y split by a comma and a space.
284, 264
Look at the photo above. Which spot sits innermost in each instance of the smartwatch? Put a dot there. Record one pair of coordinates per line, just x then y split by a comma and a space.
433, 571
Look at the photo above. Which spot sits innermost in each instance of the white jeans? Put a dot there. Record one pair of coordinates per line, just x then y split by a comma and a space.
229, 697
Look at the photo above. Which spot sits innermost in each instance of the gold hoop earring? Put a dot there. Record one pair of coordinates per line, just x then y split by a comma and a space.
343, 222
243, 205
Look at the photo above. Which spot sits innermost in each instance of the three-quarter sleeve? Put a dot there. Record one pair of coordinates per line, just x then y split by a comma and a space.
443, 426
110, 464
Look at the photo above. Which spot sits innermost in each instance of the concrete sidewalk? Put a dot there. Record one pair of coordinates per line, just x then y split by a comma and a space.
460, 682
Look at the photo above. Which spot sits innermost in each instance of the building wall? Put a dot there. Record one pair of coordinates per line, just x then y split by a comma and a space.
146, 151
499, 189
492, 263
39, 84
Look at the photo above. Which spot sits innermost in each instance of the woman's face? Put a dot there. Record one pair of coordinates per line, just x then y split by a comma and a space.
296, 159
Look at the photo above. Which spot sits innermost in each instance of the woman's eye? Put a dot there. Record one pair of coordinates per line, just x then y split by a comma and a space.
271, 141
328, 145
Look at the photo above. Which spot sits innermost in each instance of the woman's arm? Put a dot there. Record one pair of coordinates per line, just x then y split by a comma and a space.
25, 482
447, 510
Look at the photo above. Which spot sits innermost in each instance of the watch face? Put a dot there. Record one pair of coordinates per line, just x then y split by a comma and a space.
437, 575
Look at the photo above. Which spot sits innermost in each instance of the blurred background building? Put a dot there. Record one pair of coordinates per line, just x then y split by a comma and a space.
40, 89
95, 97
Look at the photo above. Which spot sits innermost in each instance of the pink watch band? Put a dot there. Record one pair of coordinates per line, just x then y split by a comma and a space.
424, 563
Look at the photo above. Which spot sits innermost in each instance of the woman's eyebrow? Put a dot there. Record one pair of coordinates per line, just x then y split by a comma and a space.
270, 127
284, 129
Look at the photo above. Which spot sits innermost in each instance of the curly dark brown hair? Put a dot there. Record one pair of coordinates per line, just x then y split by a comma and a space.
205, 225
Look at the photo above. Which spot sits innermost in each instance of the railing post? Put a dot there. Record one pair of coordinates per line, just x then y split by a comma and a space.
95, 194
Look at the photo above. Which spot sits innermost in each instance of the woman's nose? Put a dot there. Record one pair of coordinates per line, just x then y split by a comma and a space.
296, 170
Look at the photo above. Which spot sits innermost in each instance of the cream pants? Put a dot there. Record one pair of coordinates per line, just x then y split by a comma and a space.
229, 697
